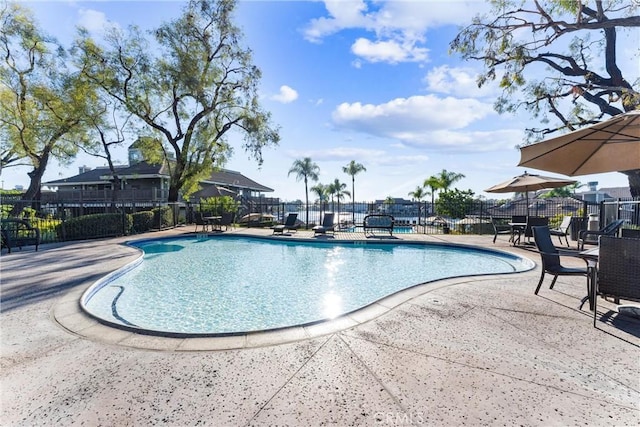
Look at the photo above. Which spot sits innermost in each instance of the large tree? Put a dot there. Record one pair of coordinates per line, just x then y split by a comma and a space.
556, 59
305, 170
193, 86
353, 168
44, 106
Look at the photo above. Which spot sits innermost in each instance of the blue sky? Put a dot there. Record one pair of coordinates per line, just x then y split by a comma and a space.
351, 80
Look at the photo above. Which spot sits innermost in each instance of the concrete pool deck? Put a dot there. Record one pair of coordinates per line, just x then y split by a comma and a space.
480, 350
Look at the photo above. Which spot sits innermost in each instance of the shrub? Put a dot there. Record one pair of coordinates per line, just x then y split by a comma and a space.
142, 221
218, 205
96, 225
162, 217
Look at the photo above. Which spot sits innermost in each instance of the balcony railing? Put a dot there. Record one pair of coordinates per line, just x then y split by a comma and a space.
106, 195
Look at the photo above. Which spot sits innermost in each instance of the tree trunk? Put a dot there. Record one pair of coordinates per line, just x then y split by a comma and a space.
634, 182
33, 193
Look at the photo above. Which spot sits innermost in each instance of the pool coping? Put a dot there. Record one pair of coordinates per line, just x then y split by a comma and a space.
69, 314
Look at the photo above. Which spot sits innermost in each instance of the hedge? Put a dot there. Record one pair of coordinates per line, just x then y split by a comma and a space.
96, 225
162, 217
142, 221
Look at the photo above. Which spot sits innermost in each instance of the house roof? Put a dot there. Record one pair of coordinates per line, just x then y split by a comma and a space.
229, 178
89, 177
611, 192
99, 175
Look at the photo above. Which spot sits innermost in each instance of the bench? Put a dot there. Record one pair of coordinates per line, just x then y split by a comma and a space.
378, 222
17, 233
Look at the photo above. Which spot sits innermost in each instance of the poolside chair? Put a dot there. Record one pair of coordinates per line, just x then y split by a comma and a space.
551, 259
618, 272
590, 237
327, 224
563, 229
289, 224
226, 220
534, 221
500, 226
198, 218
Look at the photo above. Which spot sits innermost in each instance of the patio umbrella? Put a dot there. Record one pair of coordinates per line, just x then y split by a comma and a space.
609, 146
528, 182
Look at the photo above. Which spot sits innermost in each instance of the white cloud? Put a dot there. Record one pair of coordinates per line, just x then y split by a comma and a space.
342, 14
428, 122
399, 26
459, 82
286, 95
94, 21
415, 112
387, 51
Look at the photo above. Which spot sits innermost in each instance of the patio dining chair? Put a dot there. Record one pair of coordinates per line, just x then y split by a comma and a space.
551, 260
563, 229
618, 271
500, 226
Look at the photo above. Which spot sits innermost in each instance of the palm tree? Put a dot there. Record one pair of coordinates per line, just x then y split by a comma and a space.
340, 192
306, 170
353, 169
434, 184
322, 191
337, 189
418, 194
447, 179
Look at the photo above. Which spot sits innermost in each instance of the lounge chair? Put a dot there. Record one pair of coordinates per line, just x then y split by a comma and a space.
551, 259
327, 224
289, 224
500, 226
618, 272
563, 229
590, 237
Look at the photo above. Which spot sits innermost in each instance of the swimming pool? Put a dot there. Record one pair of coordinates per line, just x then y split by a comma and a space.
233, 284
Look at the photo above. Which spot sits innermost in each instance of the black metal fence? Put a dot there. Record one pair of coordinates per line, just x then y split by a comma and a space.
60, 220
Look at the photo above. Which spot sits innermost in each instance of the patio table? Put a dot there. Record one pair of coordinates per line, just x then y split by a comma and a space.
214, 221
517, 228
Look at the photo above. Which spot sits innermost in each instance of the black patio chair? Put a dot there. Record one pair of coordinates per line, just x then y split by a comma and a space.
327, 224
290, 224
590, 237
551, 260
500, 226
618, 270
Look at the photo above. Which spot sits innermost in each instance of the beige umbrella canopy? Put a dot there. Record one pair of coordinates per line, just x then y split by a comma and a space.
609, 146
528, 182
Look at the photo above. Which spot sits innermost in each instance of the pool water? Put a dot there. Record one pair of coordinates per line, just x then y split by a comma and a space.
232, 284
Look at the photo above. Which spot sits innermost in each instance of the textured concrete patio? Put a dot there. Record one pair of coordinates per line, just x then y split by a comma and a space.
474, 351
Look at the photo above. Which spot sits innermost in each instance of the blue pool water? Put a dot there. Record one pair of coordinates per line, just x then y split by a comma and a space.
232, 284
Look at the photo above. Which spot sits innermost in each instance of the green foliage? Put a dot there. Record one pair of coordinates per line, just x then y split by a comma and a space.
576, 43
142, 221
95, 225
455, 203
195, 86
44, 106
218, 205
162, 217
